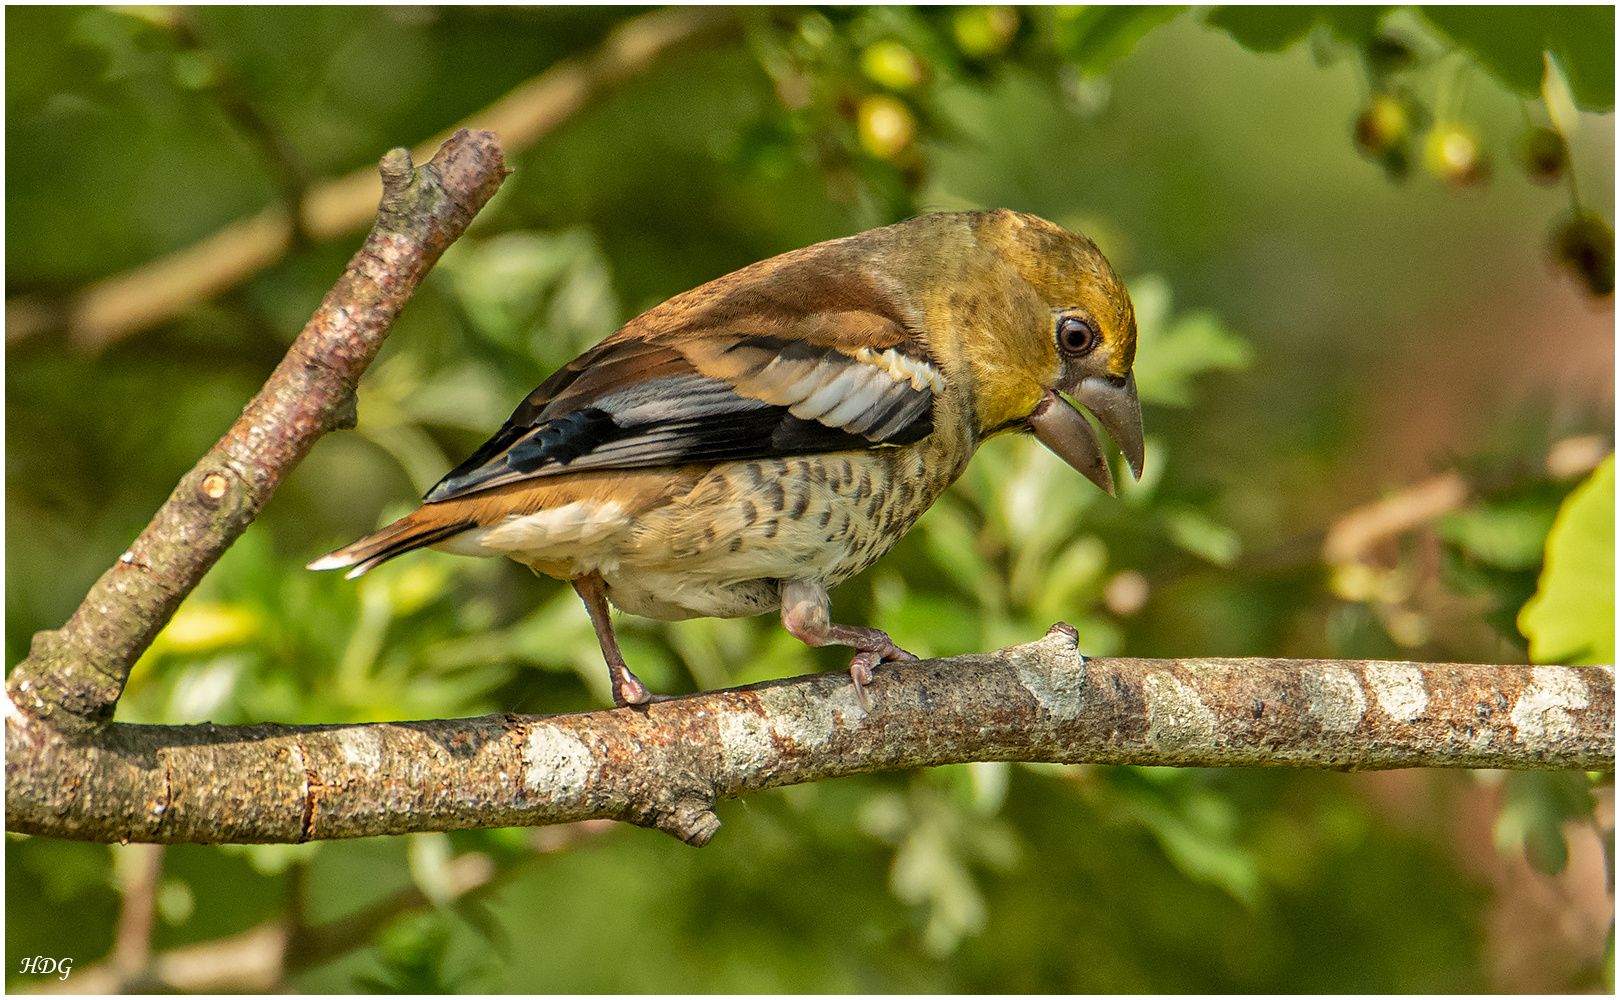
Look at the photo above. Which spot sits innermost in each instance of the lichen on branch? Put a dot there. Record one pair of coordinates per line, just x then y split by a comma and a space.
666, 765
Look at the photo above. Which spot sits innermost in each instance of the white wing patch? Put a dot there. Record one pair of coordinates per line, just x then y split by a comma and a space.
854, 385
868, 392
902, 368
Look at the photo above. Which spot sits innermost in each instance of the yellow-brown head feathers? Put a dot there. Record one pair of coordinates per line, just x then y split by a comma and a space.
991, 290
1068, 273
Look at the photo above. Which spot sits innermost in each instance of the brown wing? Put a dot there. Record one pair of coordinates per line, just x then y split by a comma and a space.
745, 367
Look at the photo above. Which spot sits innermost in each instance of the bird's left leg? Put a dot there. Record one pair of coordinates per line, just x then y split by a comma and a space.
627, 687
806, 616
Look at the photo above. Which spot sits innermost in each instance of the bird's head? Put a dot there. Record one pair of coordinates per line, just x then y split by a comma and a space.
1041, 322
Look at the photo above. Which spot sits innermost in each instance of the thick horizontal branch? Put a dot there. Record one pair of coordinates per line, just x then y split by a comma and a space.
74, 675
665, 765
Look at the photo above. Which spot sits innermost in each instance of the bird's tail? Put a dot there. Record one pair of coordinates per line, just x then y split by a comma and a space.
416, 530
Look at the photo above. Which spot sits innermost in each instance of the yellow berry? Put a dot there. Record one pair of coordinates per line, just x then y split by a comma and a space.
982, 32
892, 65
886, 126
1452, 154
1382, 125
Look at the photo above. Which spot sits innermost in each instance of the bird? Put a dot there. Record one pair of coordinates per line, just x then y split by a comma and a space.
744, 446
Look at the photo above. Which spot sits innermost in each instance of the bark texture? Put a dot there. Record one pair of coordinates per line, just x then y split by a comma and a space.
666, 765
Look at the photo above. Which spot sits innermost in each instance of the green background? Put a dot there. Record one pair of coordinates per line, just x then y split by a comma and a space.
1315, 336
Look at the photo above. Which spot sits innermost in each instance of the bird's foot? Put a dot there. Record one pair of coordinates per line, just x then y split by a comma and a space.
627, 687
804, 615
875, 647
629, 691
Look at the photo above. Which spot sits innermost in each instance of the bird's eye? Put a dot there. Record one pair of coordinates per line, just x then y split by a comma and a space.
1076, 335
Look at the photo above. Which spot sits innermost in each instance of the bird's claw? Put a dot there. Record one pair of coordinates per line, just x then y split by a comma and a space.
860, 668
628, 689
860, 671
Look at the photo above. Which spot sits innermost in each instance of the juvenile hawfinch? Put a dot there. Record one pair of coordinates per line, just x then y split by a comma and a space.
750, 443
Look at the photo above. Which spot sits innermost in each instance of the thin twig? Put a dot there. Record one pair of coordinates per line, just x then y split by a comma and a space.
1354, 534
132, 944
292, 173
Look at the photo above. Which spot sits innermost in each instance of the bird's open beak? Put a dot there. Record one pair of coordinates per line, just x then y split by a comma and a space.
1116, 407
1066, 431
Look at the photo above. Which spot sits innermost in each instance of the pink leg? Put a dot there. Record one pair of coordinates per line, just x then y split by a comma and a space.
627, 687
806, 616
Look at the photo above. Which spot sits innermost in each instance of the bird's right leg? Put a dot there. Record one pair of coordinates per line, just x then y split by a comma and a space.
627, 687
806, 614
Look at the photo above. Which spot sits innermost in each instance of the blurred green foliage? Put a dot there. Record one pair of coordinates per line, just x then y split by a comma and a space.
1284, 292
1510, 44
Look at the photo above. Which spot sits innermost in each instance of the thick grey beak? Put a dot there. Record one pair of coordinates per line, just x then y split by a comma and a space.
1065, 430
1116, 407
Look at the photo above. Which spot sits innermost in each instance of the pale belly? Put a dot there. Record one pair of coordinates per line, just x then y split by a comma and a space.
723, 549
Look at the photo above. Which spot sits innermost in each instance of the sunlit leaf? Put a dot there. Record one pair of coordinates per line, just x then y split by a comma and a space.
201, 627
1510, 536
1197, 533
1571, 617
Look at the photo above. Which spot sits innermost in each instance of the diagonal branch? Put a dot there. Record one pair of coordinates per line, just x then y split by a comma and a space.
665, 766
122, 304
73, 676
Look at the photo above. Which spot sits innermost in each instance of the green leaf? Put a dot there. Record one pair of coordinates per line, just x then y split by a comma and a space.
1096, 36
949, 536
1263, 29
551, 293
1197, 828
1356, 25
1275, 28
67, 869
938, 842
412, 954
932, 626
1571, 617
1509, 40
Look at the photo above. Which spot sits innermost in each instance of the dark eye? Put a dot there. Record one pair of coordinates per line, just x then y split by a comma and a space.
1076, 335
